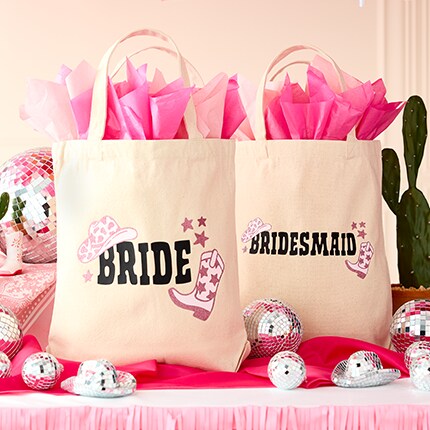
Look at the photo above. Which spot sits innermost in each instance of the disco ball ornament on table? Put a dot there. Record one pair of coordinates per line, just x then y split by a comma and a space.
420, 372
411, 323
4, 365
272, 326
99, 378
363, 369
286, 370
10, 332
417, 349
29, 179
41, 371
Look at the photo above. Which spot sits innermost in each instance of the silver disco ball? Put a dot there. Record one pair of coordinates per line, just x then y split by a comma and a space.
410, 323
271, 326
29, 179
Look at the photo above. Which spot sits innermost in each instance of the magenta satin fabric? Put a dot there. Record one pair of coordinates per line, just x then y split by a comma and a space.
320, 355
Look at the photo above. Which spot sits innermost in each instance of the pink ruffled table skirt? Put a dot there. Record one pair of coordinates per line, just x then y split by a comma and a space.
395, 406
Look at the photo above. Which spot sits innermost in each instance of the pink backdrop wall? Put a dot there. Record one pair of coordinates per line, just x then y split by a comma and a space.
36, 37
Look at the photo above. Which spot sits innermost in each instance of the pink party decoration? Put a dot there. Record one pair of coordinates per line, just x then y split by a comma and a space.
323, 111
102, 235
137, 107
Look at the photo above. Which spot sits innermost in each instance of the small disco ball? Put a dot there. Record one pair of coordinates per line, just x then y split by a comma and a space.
417, 349
41, 371
411, 323
420, 372
286, 370
4, 365
29, 179
10, 332
271, 327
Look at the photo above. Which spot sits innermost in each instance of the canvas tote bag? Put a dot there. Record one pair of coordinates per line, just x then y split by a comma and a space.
309, 227
147, 263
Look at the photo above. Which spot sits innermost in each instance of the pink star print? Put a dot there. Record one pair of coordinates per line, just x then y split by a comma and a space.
187, 224
203, 271
87, 276
214, 279
200, 287
353, 225
244, 249
361, 233
200, 239
202, 221
363, 224
211, 295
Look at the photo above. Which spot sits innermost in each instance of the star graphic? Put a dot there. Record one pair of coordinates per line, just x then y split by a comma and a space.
200, 287
214, 279
187, 224
353, 225
202, 221
203, 271
361, 233
244, 249
211, 295
360, 260
200, 239
363, 224
87, 276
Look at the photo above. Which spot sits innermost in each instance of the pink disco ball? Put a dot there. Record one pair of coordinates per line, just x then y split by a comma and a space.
10, 332
411, 323
29, 179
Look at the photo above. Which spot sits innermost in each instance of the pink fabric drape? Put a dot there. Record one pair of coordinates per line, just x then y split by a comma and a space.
320, 355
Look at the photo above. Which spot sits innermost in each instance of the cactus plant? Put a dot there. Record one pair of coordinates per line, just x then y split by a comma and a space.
4, 204
412, 211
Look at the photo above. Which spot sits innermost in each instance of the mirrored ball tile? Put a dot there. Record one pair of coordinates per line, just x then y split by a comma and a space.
28, 177
41, 371
420, 372
410, 323
272, 326
286, 370
10, 332
417, 349
99, 378
363, 369
5, 365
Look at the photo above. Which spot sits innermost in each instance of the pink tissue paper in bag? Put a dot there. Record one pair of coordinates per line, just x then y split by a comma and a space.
47, 109
326, 110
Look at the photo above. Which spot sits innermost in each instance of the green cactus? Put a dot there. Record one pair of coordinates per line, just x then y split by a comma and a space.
4, 204
413, 211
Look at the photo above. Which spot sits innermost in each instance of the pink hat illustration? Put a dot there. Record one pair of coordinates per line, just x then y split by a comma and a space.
102, 235
256, 226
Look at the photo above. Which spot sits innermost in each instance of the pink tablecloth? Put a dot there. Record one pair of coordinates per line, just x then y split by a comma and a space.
28, 294
393, 407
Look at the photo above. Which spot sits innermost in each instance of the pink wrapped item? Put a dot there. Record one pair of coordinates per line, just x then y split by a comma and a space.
323, 111
137, 108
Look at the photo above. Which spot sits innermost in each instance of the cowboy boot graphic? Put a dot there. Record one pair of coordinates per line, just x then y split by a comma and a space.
361, 267
202, 299
13, 263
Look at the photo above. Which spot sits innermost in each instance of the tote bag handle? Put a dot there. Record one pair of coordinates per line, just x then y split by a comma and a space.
260, 125
194, 74
99, 102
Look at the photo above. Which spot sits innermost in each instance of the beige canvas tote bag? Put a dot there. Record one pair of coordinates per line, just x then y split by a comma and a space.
309, 229
147, 262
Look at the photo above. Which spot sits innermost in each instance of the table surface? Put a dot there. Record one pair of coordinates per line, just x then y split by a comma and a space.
400, 392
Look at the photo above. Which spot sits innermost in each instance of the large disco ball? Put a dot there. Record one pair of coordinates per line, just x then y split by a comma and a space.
271, 326
29, 179
411, 323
